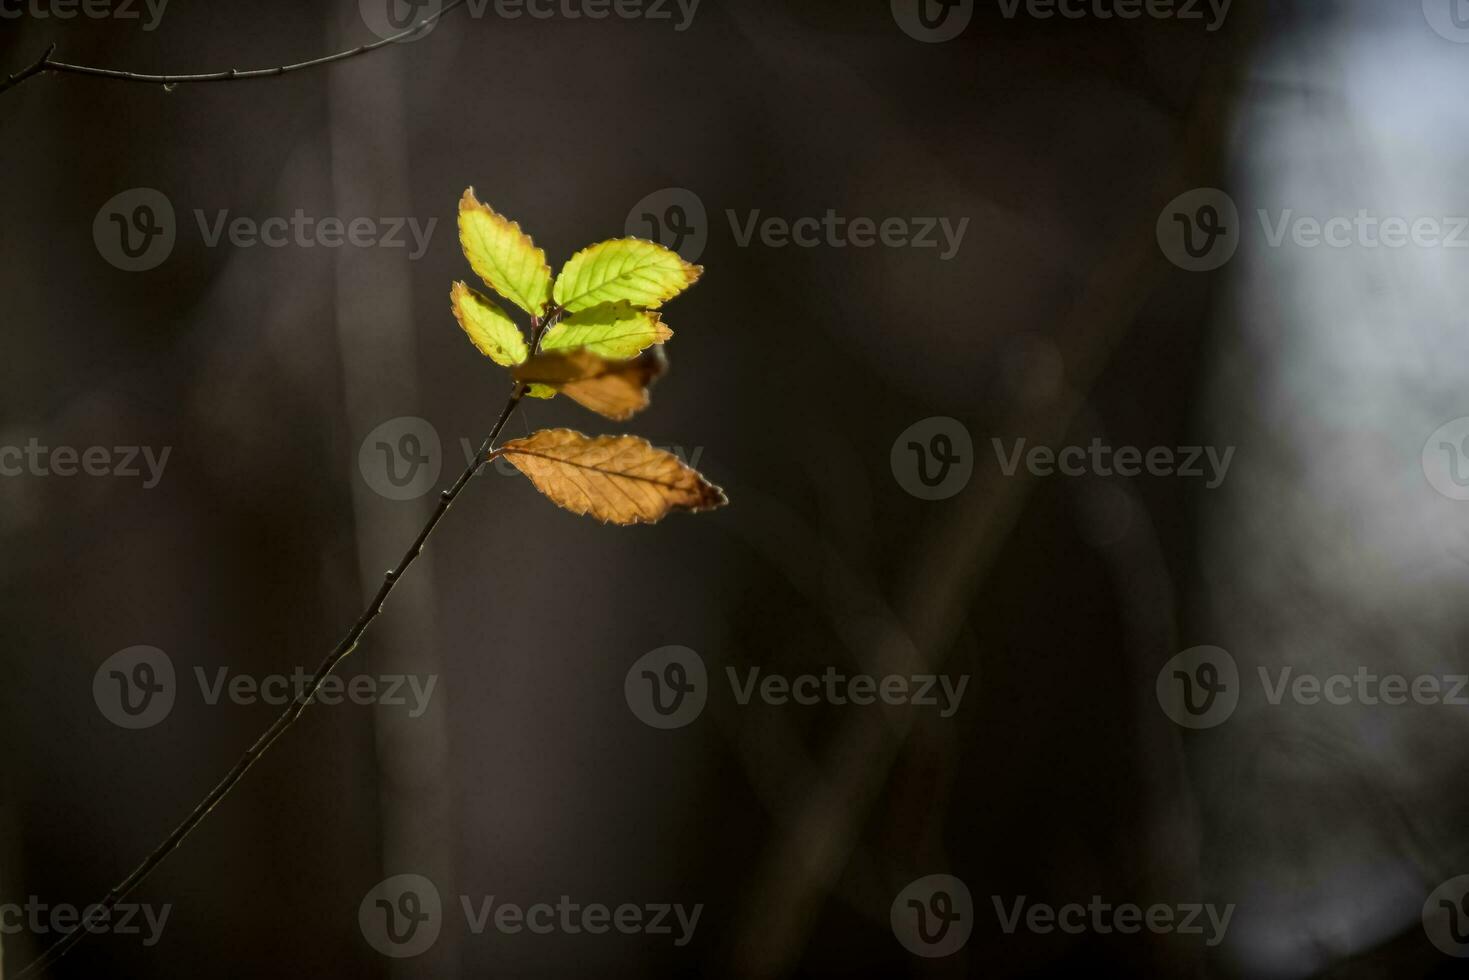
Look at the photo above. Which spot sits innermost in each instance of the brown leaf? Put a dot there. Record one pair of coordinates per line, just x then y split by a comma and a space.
617, 479
615, 389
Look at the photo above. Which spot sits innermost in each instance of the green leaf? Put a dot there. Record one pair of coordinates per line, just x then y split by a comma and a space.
489, 328
541, 391
613, 330
642, 273
503, 255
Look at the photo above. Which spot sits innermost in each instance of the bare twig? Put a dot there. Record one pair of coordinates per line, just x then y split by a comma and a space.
348, 643
231, 75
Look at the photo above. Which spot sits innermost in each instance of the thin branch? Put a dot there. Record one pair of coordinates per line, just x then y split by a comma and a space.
232, 75
34, 69
293, 711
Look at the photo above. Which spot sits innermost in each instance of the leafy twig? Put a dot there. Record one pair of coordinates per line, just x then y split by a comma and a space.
293, 710
637, 274
232, 75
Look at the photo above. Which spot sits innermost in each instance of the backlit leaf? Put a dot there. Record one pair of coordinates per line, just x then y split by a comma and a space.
615, 389
613, 330
489, 328
503, 255
617, 479
641, 272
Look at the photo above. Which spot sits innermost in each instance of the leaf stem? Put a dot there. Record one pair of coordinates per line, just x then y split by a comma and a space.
348, 643
230, 75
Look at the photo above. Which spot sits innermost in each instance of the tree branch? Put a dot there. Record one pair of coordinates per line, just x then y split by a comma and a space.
293, 711
232, 75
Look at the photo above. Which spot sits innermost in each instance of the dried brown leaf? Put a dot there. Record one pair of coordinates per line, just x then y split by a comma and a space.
616, 479
615, 389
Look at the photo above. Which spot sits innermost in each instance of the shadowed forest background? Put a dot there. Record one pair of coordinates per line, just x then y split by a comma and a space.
793, 370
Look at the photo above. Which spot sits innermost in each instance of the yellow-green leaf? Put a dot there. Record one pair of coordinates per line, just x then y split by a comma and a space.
641, 272
489, 328
503, 255
621, 479
613, 330
540, 391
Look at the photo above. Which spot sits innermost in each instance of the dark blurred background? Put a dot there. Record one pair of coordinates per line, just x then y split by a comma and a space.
1058, 319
